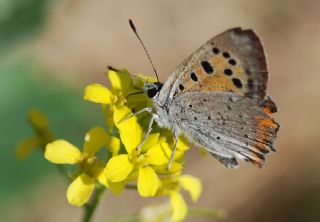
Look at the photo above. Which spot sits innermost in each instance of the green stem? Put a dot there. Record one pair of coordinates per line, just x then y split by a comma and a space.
202, 212
92, 205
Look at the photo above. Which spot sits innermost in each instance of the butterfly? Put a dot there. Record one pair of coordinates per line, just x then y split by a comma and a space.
217, 99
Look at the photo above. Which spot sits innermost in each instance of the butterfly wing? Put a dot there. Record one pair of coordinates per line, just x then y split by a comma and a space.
226, 124
231, 61
217, 98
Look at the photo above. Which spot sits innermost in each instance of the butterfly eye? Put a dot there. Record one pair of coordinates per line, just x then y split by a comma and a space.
152, 92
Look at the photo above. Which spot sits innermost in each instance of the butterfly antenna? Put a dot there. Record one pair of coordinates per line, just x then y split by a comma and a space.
144, 47
134, 93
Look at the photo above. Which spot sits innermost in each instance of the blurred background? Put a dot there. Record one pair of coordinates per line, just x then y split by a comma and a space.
50, 50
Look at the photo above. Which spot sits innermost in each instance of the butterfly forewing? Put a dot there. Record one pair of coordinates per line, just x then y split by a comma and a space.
232, 61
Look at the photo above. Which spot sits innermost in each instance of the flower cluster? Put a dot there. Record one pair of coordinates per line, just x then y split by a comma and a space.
118, 156
40, 125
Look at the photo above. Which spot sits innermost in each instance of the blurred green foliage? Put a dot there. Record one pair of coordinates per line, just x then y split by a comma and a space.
25, 84
20, 20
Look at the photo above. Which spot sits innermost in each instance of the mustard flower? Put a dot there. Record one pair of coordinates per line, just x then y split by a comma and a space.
40, 124
90, 167
142, 164
172, 186
118, 94
176, 209
134, 159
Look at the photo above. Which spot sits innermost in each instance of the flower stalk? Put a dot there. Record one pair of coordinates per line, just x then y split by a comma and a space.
90, 208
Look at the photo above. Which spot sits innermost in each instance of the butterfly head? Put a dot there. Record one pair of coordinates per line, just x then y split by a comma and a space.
152, 89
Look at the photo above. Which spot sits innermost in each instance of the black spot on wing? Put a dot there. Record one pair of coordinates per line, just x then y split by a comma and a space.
226, 55
232, 62
215, 50
194, 77
207, 67
237, 82
228, 72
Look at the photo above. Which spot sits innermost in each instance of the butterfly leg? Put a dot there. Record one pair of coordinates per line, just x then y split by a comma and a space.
176, 136
147, 109
153, 117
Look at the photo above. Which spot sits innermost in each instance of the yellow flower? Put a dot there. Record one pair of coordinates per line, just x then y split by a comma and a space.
143, 164
42, 137
176, 209
133, 159
90, 167
122, 87
172, 185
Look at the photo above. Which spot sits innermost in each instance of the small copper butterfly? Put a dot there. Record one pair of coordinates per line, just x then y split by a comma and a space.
217, 99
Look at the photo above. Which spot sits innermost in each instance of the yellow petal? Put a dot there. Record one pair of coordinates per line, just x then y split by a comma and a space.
38, 120
118, 168
26, 146
80, 190
150, 142
183, 143
179, 206
98, 94
168, 185
62, 152
192, 185
120, 113
179, 154
120, 81
114, 146
176, 167
96, 138
159, 154
116, 188
148, 182
108, 113
130, 131
133, 177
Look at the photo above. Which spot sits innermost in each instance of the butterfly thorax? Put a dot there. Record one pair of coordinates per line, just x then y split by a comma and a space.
165, 95
159, 93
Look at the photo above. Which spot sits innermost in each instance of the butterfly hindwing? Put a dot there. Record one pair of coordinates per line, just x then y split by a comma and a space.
227, 125
231, 61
